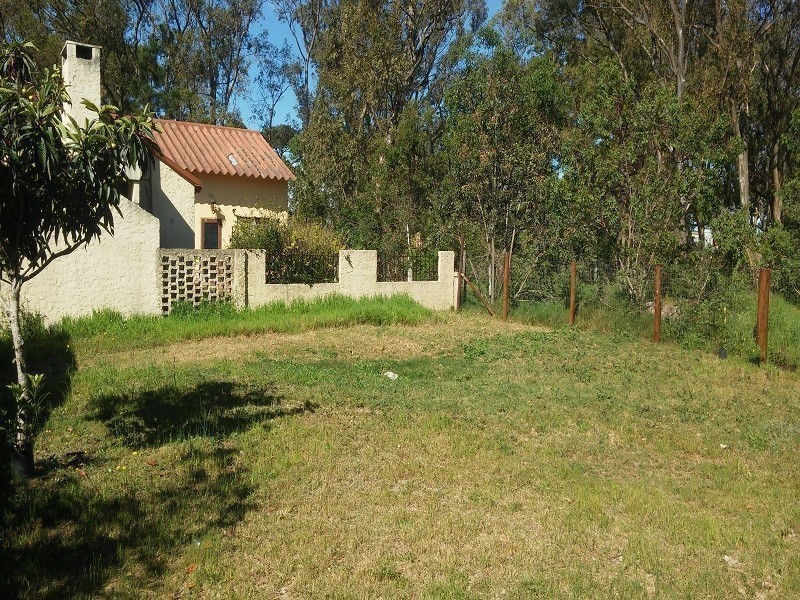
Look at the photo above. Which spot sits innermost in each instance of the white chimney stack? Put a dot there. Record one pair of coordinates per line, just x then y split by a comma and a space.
80, 67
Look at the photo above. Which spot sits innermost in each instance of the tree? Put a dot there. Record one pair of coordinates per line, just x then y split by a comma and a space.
59, 188
622, 192
501, 140
306, 22
380, 71
272, 82
122, 27
201, 51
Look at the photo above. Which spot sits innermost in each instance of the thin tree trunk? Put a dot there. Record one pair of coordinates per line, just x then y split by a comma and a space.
685, 234
492, 271
743, 162
777, 204
23, 439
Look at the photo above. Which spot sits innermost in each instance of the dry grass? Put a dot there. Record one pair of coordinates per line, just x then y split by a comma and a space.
505, 462
358, 342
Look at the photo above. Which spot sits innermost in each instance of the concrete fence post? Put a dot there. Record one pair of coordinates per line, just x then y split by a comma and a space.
239, 289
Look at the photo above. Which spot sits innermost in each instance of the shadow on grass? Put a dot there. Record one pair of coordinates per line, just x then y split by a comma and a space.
209, 409
48, 353
111, 532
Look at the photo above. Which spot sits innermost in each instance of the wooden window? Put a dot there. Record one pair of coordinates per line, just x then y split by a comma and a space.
212, 234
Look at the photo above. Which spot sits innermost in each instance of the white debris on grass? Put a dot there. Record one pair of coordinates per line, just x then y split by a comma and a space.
391, 375
730, 561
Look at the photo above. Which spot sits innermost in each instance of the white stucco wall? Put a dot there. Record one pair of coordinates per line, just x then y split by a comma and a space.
173, 204
237, 196
82, 78
357, 279
117, 272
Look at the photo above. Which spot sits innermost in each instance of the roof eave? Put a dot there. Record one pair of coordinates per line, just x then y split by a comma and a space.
185, 174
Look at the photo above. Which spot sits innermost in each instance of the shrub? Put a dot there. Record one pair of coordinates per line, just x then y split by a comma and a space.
780, 254
297, 252
737, 244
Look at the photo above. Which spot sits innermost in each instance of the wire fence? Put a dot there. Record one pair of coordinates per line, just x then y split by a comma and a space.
692, 280
701, 303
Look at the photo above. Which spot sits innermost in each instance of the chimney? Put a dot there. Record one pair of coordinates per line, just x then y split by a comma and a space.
80, 67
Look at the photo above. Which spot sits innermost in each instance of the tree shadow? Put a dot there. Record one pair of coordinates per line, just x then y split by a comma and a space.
48, 352
79, 538
209, 409
85, 528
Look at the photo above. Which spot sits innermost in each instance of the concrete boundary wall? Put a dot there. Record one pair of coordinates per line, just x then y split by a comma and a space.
358, 278
128, 273
195, 276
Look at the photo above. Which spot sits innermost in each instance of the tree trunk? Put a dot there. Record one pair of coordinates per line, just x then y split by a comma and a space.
685, 235
492, 271
743, 162
23, 438
777, 204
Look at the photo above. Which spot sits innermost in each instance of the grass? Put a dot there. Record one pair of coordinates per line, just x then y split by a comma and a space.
726, 322
507, 460
109, 331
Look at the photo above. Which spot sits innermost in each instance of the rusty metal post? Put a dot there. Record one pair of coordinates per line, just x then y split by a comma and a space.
763, 312
506, 272
657, 307
573, 282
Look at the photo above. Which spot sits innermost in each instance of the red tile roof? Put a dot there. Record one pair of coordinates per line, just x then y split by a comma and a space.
214, 150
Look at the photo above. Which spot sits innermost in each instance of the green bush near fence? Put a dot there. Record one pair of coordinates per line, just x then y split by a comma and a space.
725, 319
296, 251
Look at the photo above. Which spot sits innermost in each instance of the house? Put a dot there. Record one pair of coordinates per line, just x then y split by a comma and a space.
205, 178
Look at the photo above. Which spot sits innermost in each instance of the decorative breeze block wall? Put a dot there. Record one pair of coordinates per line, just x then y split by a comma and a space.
196, 275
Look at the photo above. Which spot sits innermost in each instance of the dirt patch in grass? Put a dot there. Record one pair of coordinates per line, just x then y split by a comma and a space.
359, 342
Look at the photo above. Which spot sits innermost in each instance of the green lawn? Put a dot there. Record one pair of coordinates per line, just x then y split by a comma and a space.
506, 461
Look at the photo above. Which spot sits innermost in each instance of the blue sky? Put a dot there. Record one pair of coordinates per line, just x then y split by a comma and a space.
278, 32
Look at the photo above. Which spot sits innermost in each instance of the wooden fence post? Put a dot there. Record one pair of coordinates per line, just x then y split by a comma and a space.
462, 259
657, 307
464, 283
763, 312
506, 277
573, 282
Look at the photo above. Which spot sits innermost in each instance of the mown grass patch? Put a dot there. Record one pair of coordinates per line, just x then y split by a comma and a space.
110, 331
516, 463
